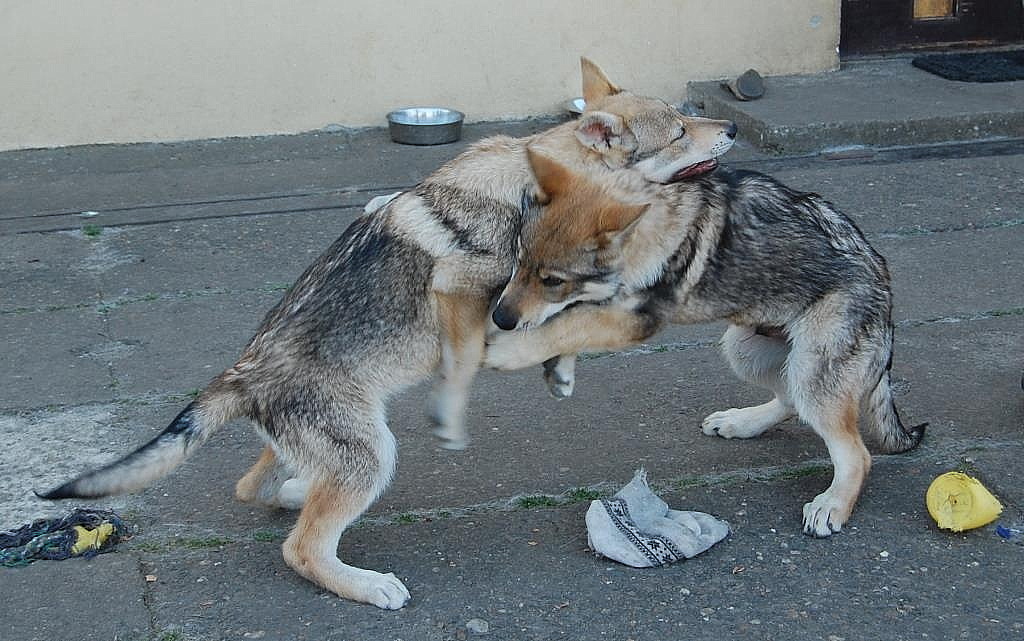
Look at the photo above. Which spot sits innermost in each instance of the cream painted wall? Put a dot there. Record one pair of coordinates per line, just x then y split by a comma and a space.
96, 71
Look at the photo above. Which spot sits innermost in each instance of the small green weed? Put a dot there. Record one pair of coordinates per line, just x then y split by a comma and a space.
539, 500
91, 231
580, 494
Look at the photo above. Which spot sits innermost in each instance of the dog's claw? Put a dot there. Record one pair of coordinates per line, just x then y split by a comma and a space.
823, 516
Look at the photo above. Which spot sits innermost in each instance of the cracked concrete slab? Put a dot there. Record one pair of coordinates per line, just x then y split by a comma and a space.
910, 196
55, 445
179, 344
955, 274
43, 272
890, 575
525, 443
105, 597
176, 336
46, 359
223, 254
83, 384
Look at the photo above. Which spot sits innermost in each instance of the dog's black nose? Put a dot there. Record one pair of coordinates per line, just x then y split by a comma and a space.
504, 319
731, 130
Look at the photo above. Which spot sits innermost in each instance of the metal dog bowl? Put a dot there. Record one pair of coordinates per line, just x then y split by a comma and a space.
575, 106
425, 125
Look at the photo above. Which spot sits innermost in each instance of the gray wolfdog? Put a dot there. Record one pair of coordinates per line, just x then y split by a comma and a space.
807, 299
403, 294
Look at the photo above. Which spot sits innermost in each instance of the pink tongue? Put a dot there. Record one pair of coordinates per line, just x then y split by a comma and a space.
699, 168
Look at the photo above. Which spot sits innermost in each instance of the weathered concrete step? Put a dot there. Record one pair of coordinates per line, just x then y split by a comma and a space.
879, 103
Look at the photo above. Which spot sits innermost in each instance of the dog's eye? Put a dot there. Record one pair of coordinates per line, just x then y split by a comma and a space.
552, 281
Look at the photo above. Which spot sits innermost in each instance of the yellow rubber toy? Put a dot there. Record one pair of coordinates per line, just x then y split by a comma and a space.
959, 502
91, 539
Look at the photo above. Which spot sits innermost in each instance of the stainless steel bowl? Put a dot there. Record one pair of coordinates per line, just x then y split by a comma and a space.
425, 125
575, 106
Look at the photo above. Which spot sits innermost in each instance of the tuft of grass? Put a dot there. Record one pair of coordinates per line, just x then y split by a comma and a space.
967, 466
170, 635
150, 546
193, 393
581, 494
91, 231
538, 500
406, 518
687, 483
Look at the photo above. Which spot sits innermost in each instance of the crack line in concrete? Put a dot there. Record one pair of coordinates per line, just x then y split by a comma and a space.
222, 201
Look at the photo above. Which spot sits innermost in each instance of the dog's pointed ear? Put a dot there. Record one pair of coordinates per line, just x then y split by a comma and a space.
552, 178
600, 131
616, 224
595, 84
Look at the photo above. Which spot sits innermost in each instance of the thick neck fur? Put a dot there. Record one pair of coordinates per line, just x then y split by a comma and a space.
496, 168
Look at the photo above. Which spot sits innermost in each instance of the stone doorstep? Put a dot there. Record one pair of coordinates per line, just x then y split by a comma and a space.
880, 103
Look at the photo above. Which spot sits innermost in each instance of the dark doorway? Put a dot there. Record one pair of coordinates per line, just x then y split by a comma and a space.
872, 26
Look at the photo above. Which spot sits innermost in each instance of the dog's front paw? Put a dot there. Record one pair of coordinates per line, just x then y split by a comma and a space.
505, 351
386, 591
451, 438
825, 515
733, 423
560, 375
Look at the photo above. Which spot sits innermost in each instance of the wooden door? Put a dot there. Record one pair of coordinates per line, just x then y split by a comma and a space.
871, 26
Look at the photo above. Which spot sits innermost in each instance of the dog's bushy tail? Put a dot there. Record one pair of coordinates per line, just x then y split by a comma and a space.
884, 419
216, 405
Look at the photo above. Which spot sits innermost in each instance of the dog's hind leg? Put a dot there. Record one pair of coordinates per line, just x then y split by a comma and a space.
827, 372
836, 422
463, 324
263, 482
354, 473
757, 357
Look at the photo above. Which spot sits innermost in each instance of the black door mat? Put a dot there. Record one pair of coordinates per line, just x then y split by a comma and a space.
989, 66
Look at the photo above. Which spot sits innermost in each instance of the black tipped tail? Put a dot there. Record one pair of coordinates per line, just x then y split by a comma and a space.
885, 421
155, 459
65, 491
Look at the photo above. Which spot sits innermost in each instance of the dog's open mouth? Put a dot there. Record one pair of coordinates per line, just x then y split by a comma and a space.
698, 169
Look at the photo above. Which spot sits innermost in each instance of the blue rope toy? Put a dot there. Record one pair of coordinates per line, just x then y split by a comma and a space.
83, 533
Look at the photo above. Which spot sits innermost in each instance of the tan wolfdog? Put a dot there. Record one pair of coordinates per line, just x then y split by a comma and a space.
403, 294
807, 299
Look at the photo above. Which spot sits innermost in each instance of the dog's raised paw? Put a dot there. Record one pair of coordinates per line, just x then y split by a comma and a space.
560, 376
451, 438
560, 379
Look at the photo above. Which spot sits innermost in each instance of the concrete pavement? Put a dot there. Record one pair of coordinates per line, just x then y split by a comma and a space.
112, 319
